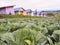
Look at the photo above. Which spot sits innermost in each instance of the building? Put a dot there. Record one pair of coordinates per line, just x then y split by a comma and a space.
35, 13
32, 13
27, 12
23, 11
16, 10
39, 13
7, 10
19, 10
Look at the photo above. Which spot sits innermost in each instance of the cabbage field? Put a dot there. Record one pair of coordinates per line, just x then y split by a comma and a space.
30, 31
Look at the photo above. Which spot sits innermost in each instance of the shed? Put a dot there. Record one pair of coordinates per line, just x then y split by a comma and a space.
7, 10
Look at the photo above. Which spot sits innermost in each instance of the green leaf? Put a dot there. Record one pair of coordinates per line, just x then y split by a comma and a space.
50, 41
2, 43
58, 43
56, 35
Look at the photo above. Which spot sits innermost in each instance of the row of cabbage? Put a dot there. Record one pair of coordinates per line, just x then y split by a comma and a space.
30, 31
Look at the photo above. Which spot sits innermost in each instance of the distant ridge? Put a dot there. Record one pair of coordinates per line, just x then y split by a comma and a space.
51, 11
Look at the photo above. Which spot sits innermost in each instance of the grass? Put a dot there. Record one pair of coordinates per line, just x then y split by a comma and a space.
17, 16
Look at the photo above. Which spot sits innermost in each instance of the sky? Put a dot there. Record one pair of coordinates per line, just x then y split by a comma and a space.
33, 4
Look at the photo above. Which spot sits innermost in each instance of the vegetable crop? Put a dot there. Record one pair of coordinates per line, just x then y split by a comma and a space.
30, 31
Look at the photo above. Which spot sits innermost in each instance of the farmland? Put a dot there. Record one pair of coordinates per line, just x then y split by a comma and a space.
30, 31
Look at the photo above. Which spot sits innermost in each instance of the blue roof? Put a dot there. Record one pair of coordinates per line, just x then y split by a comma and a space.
25, 11
28, 10
16, 9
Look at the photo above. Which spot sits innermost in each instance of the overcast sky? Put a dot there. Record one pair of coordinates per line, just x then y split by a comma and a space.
33, 4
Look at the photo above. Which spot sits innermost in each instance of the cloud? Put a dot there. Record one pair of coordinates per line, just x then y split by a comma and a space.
33, 4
